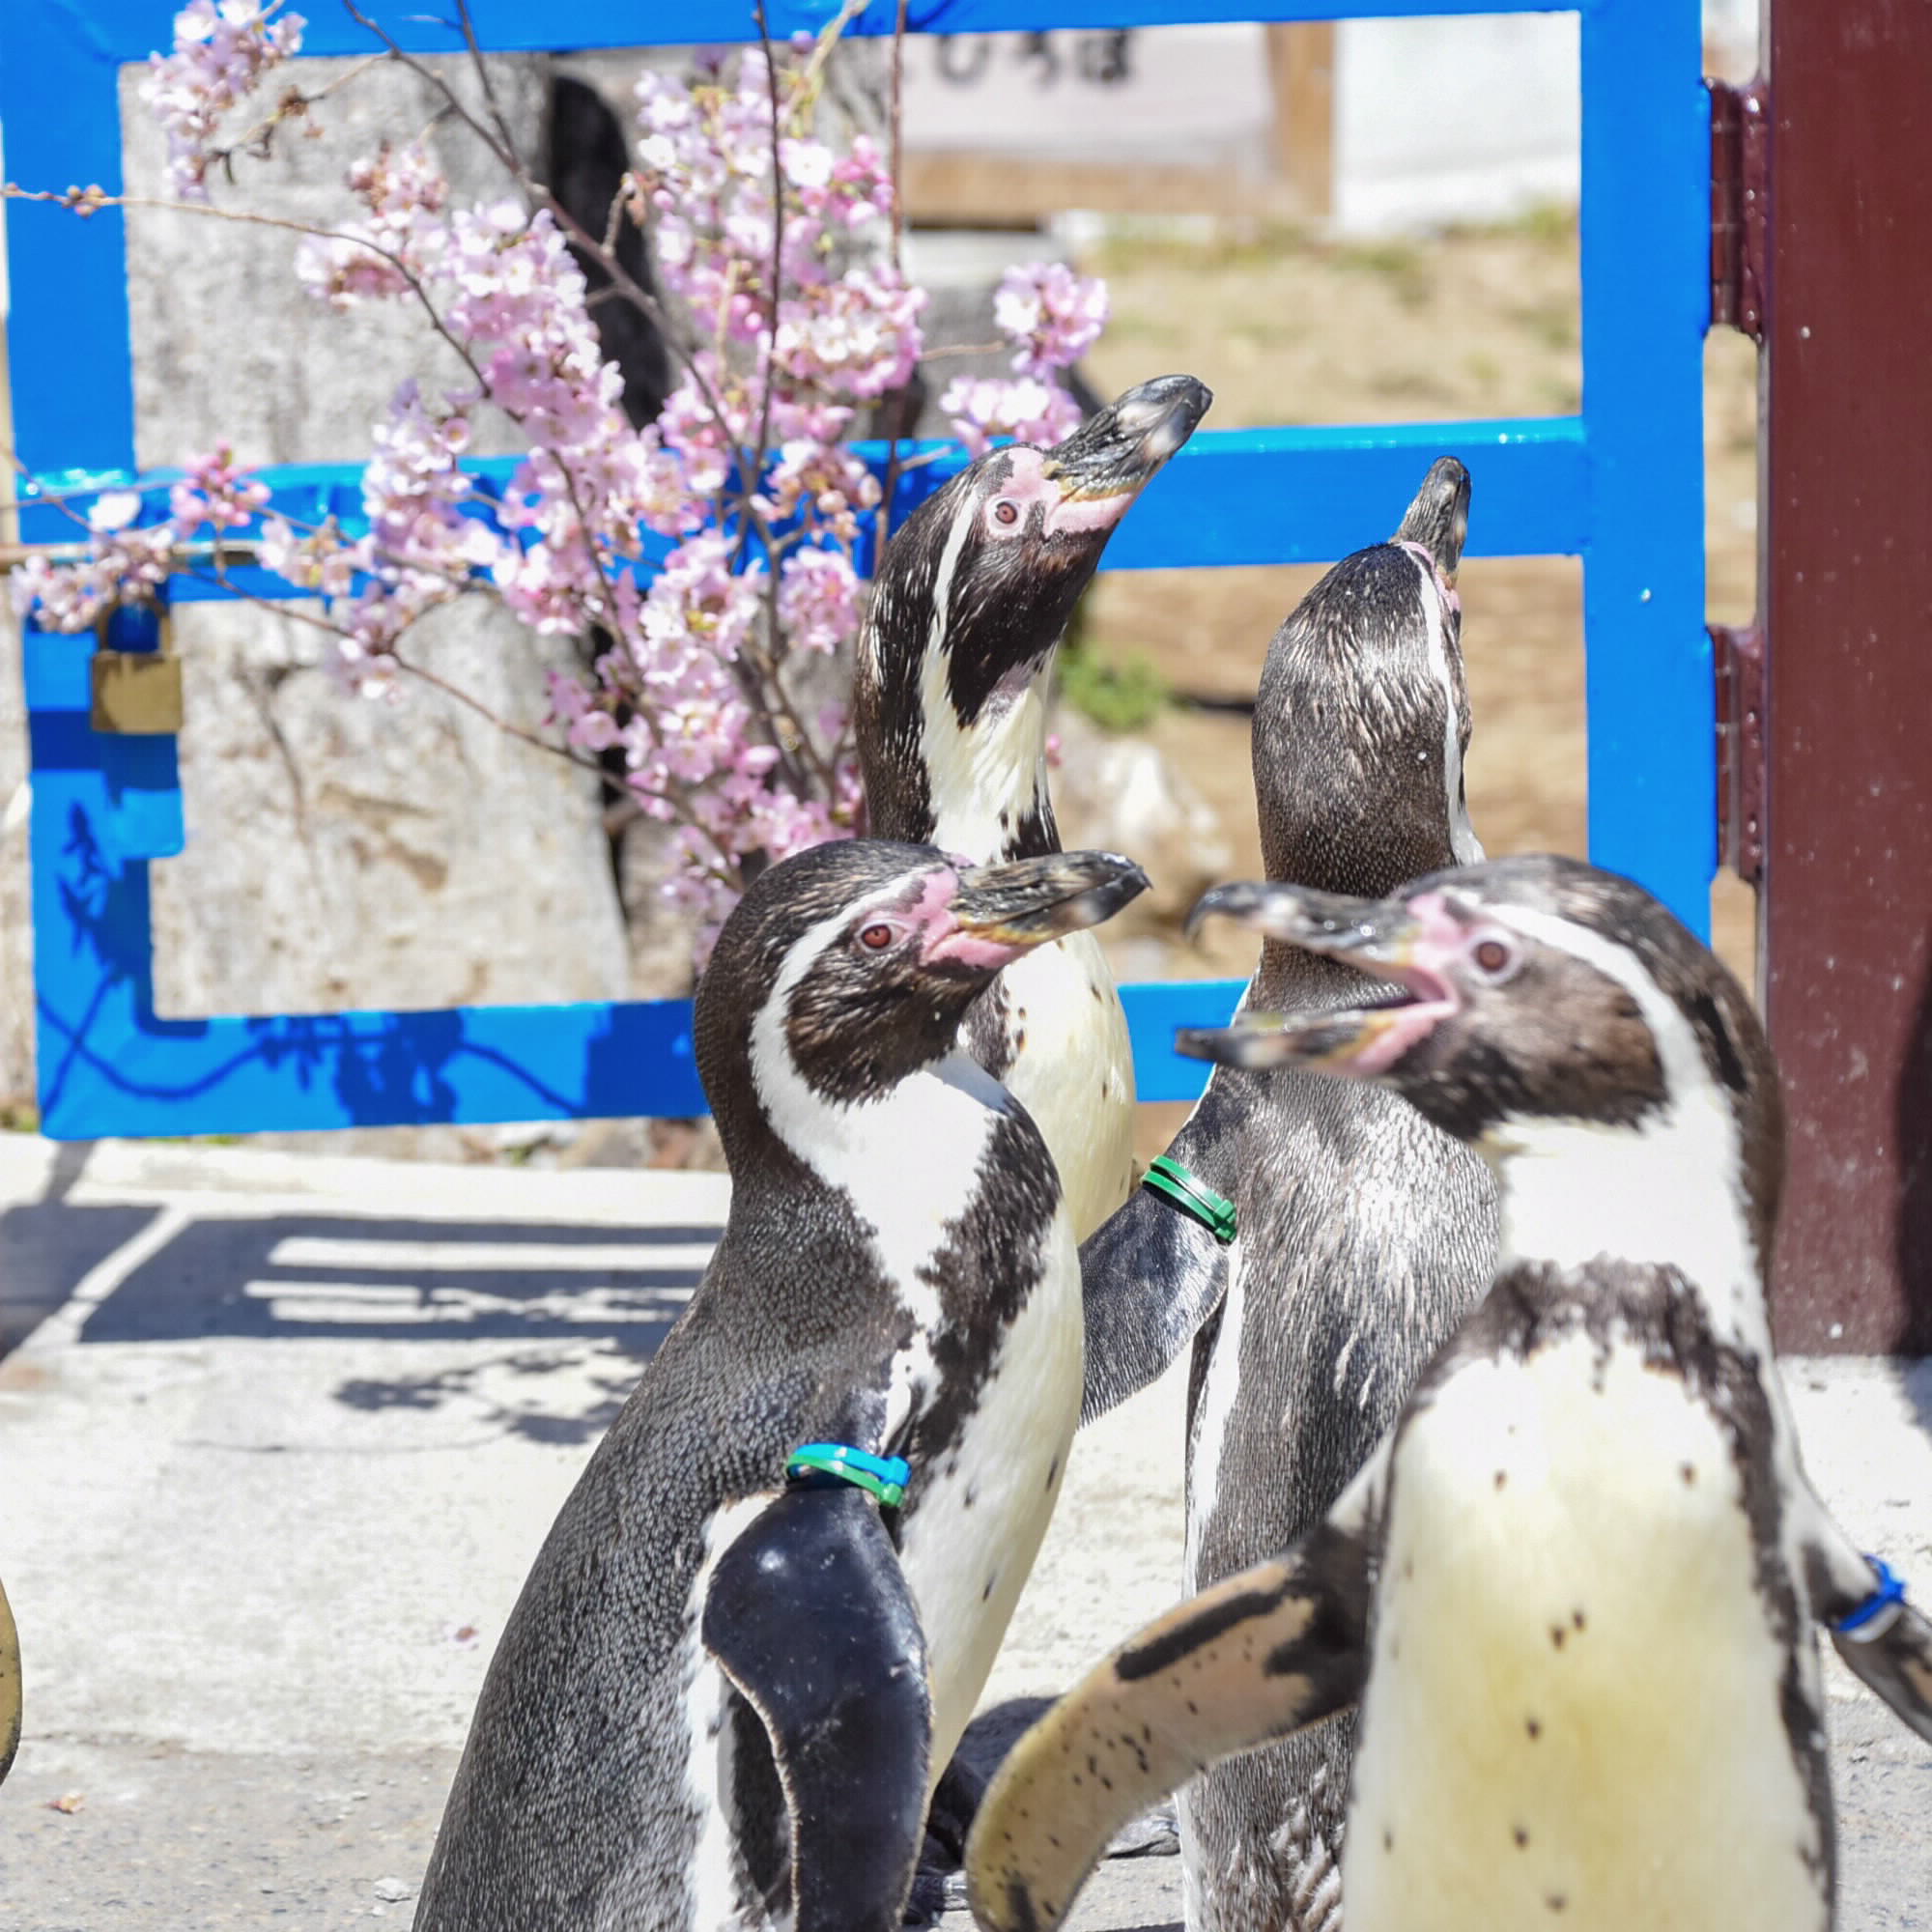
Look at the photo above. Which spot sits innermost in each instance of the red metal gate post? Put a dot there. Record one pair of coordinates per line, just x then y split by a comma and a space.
1846, 598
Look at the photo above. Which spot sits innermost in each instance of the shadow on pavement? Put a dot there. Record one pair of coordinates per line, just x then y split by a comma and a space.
474, 1385
46, 1249
346, 1278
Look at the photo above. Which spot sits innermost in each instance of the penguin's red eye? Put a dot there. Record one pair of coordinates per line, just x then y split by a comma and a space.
1007, 513
1493, 959
876, 937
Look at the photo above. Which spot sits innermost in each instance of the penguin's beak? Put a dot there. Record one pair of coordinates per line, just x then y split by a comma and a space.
1112, 457
1383, 939
1438, 520
1001, 911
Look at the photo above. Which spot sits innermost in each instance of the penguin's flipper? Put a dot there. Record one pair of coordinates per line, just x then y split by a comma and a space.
809, 1616
1268, 1652
10, 1689
1897, 1664
1884, 1641
1151, 1274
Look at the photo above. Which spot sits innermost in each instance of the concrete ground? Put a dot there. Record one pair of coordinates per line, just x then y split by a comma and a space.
281, 1434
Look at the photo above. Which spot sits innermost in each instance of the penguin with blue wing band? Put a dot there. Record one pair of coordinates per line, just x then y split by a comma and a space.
1575, 1591
763, 1615
1357, 1233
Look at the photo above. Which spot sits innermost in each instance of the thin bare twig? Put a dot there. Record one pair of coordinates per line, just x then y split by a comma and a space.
777, 269
423, 674
897, 133
293, 105
828, 37
12, 191
506, 156
488, 86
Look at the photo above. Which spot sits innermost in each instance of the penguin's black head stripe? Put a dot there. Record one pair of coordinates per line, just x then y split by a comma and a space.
1528, 990
985, 574
779, 908
849, 967
1685, 973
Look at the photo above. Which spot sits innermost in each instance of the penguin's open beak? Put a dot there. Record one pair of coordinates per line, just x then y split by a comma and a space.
1438, 519
1001, 911
1381, 938
1112, 457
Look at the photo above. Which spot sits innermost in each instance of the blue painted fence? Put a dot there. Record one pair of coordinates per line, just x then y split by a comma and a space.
1620, 485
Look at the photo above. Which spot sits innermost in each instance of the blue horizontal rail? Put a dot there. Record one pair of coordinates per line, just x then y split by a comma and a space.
1231, 497
119, 1070
1620, 484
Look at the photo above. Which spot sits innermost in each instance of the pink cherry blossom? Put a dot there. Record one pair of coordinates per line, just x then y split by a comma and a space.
223, 49
705, 549
818, 600
1051, 315
1030, 409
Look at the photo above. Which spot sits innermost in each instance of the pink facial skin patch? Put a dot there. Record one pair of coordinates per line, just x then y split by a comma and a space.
933, 910
1028, 483
1439, 927
971, 948
943, 938
1090, 513
1390, 1033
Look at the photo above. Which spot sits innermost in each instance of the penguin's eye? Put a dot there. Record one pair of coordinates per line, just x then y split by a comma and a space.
1494, 958
877, 936
1005, 512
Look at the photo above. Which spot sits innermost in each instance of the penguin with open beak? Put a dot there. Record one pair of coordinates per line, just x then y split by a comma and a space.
1574, 1592
1315, 1243
764, 1614
974, 593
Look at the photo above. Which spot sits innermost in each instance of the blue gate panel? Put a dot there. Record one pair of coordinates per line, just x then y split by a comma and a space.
1621, 485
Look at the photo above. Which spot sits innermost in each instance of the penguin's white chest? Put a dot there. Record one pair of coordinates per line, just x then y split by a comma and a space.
1573, 1715
1073, 1071
967, 1548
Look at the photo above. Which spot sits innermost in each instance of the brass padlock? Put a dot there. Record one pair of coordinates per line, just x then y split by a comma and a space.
136, 693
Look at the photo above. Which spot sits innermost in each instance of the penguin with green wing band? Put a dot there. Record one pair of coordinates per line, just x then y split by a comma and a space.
1354, 1235
763, 1615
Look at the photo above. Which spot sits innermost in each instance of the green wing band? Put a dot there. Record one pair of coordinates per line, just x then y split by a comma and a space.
883, 1477
1173, 1183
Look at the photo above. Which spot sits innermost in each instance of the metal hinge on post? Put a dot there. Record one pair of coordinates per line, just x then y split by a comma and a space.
1740, 178
1737, 661
1740, 186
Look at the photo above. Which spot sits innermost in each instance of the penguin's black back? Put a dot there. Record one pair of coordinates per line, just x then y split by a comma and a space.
560, 1805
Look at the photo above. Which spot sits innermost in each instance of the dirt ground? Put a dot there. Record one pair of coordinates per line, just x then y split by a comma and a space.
1289, 329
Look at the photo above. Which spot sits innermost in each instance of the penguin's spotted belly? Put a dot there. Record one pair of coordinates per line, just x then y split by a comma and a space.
983, 1505
1575, 1713
1072, 1069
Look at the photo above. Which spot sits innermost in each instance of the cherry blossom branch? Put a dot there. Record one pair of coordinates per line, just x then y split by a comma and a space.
489, 87
897, 130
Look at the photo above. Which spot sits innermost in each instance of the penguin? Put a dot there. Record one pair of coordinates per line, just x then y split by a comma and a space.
1574, 1590
1355, 1234
973, 594
9, 1688
763, 1614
